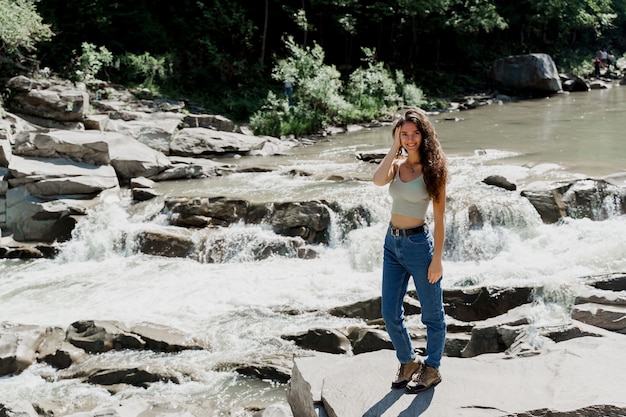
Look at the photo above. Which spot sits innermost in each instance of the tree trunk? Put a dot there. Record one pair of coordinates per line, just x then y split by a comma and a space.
264, 32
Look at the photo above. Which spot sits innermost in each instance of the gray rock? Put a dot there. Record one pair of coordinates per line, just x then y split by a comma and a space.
97, 336
131, 158
606, 317
209, 121
90, 147
55, 102
200, 142
584, 198
534, 73
500, 181
144, 194
321, 340
18, 346
488, 385
56, 351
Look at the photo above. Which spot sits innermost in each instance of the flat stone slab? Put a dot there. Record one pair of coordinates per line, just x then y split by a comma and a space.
567, 376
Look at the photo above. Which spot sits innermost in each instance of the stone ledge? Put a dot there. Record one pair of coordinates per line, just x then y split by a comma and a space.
566, 377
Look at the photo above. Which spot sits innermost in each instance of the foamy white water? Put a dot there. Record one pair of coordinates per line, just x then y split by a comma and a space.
239, 306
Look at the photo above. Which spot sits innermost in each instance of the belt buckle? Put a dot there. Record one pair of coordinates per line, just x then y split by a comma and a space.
395, 232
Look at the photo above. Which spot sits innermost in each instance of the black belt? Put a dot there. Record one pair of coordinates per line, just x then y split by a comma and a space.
408, 232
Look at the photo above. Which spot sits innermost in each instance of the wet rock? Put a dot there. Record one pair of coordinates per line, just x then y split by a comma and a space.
370, 340
161, 338
611, 318
168, 242
138, 377
269, 367
144, 194
482, 303
585, 198
101, 336
18, 409
18, 346
57, 352
321, 340
500, 181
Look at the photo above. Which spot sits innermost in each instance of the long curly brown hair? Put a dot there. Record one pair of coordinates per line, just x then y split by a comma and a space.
432, 157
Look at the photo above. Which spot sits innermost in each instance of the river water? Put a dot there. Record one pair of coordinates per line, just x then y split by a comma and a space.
238, 306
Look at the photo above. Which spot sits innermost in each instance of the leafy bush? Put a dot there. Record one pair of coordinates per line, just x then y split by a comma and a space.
317, 99
372, 92
90, 62
411, 94
372, 89
146, 70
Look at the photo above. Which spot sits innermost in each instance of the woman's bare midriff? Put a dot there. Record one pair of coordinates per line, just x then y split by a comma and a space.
400, 221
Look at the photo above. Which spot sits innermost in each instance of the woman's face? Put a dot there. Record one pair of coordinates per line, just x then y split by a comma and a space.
410, 137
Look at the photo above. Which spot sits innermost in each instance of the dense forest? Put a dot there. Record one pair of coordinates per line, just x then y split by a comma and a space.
231, 57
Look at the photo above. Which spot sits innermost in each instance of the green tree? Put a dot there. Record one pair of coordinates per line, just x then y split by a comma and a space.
21, 29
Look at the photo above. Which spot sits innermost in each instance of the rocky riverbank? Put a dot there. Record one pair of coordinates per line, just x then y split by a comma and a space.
498, 360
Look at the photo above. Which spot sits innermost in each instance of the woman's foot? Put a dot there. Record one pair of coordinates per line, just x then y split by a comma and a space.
427, 378
406, 371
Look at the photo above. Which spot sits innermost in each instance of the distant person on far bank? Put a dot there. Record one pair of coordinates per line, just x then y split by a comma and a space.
597, 63
289, 91
415, 168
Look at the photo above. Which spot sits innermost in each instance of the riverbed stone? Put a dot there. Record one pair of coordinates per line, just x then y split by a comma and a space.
607, 317
321, 340
487, 385
90, 147
57, 352
48, 101
18, 346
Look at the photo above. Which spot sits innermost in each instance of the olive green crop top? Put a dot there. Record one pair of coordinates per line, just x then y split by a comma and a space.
409, 198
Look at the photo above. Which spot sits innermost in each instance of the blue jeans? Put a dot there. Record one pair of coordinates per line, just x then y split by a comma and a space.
407, 256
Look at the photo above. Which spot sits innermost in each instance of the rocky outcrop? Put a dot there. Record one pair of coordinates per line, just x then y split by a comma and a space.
44, 100
56, 165
495, 336
489, 385
22, 345
62, 154
585, 198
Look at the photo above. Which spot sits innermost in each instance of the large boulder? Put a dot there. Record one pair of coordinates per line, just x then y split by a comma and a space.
89, 147
47, 101
201, 142
530, 73
47, 196
131, 158
18, 346
488, 385
585, 198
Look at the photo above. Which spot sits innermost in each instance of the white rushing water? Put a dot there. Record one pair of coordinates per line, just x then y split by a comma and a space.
239, 306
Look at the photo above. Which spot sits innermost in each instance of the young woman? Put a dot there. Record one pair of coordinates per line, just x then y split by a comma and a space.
416, 170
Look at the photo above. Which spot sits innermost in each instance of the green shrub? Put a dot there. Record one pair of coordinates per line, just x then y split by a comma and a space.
269, 119
145, 70
317, 99
371, 93
372, 89
90, 62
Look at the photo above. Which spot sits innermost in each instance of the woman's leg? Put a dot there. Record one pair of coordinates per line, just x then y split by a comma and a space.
430, 296
394, 286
